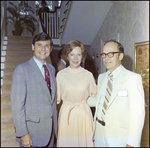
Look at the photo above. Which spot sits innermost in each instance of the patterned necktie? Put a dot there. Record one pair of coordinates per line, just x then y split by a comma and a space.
47, 78
108, 95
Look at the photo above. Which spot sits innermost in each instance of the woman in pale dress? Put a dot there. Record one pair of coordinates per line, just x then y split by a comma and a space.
74, 86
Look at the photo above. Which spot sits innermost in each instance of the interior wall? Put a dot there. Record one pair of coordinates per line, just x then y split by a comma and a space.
3, 21
127, 22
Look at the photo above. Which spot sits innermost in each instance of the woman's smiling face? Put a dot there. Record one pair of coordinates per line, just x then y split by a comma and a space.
75, 58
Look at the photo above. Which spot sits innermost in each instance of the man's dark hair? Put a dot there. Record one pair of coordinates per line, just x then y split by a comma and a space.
42, 36
120, 47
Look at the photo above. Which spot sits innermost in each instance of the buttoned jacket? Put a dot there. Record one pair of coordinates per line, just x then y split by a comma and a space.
33, 108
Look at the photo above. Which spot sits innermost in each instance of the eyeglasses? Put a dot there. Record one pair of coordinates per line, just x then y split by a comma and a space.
109, 54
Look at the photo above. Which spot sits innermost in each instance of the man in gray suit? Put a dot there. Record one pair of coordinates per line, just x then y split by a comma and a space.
33, 104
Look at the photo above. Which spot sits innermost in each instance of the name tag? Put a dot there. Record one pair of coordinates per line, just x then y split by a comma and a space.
123, 93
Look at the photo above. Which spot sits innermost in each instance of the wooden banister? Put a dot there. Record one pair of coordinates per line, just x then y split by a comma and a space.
53, 22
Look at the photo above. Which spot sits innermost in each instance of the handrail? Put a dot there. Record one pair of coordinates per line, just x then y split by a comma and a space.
53, 22
55, 9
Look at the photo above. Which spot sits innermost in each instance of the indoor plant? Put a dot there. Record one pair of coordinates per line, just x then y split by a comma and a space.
19, 21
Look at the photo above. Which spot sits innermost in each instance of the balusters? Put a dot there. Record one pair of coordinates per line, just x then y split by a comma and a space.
54, 22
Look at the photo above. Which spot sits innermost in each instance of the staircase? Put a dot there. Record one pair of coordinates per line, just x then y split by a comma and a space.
17, 50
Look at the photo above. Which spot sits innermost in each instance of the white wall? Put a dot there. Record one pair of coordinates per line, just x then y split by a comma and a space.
131, 20
3, 21
84, 20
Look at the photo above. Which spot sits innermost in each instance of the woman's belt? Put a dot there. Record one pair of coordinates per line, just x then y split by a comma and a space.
82, 105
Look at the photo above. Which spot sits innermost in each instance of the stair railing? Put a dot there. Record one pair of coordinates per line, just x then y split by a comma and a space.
50, 23
54, 21
64, 13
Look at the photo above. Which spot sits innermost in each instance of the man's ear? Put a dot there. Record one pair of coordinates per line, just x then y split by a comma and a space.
121, 55
32, 47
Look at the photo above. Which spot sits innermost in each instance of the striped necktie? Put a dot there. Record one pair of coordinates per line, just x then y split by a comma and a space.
47, 78
108, 95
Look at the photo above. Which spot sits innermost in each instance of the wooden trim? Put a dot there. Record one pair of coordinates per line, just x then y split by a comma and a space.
55, 37
67, 3
65, 10
54, 10
61, 26
63, 19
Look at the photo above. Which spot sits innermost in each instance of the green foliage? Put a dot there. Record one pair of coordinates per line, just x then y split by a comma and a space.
20, 21
38, 6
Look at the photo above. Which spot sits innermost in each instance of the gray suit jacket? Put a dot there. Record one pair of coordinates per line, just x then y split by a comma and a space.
33, 109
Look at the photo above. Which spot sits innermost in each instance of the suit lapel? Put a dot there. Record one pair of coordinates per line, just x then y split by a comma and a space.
52, 78
103, 82
120, 81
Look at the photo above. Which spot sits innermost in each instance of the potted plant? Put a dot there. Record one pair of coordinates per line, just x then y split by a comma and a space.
19, 21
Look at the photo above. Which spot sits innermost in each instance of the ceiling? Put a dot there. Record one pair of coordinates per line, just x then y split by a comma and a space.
84, 20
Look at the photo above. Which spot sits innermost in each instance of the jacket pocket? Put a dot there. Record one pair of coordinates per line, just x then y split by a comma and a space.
35, 119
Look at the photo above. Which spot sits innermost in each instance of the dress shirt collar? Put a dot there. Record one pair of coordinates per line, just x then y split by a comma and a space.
116, 72
40, 65
63, 61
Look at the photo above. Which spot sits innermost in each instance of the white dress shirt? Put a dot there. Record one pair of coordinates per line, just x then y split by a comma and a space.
115, 75
63, 61
40, 65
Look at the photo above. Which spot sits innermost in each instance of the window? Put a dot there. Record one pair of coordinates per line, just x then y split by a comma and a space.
59, 3
49, 5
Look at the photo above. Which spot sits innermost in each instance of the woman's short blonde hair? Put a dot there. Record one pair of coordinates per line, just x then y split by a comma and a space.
70, 46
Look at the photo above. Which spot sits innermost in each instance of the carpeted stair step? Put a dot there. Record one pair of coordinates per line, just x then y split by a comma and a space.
7, 130
6, 116
7, 80
5, 102
21, 46
21, 52
5, 89
13, 64
18, 38
18, 57
8, 71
